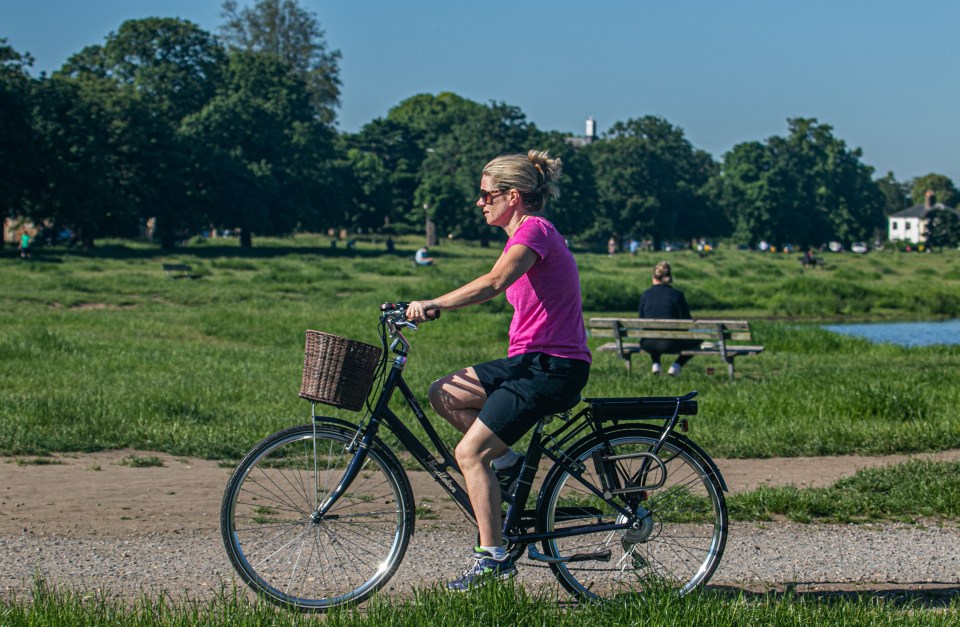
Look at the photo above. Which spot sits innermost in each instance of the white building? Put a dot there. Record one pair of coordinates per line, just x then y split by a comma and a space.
910, 225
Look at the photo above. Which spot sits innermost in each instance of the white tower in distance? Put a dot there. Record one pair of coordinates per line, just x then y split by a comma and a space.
591, 131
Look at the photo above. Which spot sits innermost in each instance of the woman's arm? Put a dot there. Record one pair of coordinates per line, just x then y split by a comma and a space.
511, 265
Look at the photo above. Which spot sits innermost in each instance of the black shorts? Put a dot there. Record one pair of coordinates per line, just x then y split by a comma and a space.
523, 389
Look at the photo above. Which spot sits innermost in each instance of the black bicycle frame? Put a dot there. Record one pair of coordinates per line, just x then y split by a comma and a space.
383, 415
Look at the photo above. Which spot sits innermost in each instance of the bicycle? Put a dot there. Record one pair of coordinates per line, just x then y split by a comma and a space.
320, 515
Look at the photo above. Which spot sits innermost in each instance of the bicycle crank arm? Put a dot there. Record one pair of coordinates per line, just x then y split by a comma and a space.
599, 556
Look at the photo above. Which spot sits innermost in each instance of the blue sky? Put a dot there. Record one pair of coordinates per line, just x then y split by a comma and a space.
882, 73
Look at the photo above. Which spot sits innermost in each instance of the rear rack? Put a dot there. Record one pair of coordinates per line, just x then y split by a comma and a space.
642, 407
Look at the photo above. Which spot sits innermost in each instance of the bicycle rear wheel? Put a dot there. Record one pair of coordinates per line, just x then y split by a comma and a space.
284, 550
679, 529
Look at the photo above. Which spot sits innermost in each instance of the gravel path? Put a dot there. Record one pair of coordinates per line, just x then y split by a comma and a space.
91, 522
758, 557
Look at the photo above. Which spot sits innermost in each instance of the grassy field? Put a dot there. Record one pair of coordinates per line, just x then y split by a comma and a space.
101, 350
496, 605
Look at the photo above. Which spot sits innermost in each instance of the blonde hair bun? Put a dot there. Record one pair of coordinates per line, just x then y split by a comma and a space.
534, 175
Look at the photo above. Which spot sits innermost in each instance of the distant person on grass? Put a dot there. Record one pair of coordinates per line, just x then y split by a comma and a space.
495, 403
663, 301
422, 257
25, 245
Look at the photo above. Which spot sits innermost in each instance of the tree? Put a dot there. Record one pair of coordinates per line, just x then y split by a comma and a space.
450, 173
573, 213
456, 137
283, 28
17, 164
651, 182
365, 181
745, 193
896, 195
170, 69
943, 228
84, 129
806, 188
257, 150
942, 187
429, 117
384, 160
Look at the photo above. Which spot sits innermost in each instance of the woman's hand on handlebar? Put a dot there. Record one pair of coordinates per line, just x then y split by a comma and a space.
422, 310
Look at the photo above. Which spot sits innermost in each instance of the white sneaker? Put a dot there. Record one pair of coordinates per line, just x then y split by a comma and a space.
655, 369
674, 370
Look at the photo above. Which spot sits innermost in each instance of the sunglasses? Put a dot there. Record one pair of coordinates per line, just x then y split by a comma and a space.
487, 197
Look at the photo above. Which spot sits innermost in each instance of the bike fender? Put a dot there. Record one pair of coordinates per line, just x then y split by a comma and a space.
330, 420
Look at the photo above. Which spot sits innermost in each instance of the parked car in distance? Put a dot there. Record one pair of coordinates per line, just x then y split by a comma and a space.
835, 247
858, 247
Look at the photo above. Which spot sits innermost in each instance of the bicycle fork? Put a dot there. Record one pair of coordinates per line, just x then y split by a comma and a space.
358, 446
361, 442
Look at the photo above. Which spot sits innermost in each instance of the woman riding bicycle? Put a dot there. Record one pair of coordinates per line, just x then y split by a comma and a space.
495, 403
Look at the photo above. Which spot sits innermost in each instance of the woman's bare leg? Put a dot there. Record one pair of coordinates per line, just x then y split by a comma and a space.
458, 398
476, 450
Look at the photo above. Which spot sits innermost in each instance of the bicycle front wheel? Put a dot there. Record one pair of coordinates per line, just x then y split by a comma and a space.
678, 525
282, 547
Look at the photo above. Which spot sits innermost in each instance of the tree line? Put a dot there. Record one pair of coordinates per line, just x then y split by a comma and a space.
169, 124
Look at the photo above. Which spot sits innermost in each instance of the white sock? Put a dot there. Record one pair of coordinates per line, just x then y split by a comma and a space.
506, 460
498, 553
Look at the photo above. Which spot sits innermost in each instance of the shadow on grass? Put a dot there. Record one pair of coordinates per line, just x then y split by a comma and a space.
212, 251
926, 595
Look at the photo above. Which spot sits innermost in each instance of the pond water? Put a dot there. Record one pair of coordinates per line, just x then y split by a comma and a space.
903, 333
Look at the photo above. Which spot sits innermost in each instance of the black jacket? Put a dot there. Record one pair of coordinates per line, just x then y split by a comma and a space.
665, 302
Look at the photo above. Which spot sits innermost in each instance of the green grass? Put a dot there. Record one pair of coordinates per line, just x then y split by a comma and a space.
493, 605
39, 461
732, 283
101, 351
908, 492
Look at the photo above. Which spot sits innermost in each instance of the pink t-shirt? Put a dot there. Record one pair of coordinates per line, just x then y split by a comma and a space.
547, 309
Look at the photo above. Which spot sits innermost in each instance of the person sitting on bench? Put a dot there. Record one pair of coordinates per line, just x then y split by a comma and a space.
663, 301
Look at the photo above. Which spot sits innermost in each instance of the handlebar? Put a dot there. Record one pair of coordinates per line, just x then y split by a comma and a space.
396, 313
393, 319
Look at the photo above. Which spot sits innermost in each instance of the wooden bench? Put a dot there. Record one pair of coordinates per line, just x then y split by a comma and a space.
725, 338
178, 271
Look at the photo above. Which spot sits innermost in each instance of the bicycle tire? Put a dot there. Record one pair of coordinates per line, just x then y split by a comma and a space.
273, 539
682, 526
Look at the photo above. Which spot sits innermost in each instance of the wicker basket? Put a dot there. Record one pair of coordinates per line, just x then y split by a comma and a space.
338, 371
